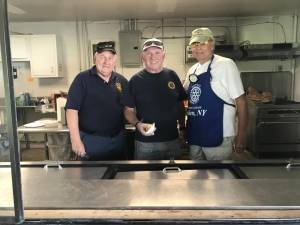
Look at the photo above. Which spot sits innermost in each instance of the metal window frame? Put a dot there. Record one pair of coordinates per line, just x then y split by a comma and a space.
11, 113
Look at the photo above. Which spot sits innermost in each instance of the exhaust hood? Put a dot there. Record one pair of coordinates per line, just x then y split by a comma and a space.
253, 51
230, 51
268, 51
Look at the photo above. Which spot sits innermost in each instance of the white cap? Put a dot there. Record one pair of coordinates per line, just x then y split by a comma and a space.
153, 42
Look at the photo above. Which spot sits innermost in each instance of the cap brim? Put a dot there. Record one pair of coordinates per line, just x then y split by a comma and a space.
201, 39
107, 49
152, 46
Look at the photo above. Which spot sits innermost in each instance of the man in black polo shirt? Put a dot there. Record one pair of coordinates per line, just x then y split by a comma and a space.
155, 97
94, 109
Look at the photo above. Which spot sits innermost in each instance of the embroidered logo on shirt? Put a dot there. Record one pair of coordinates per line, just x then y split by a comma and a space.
119, 86
195, 93
171, 85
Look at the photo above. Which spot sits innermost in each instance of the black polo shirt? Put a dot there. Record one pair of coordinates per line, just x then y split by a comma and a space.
156, 97
98, 102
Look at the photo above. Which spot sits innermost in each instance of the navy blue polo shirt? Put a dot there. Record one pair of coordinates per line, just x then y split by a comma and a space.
98, 102
156, 97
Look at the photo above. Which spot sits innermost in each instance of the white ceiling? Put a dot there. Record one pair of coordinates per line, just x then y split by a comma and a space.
95, 10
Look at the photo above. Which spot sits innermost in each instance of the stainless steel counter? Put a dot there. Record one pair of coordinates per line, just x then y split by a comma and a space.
264, 172
58, 132
51, 126
80, 187
176, 174
54, 127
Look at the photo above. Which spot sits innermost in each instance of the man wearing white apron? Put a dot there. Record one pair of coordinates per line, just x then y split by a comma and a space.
216, 95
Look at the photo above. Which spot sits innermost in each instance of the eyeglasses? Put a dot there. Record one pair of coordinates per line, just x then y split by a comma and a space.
154, 43
198, 44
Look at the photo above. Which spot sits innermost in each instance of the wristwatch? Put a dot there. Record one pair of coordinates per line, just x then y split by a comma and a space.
136, 123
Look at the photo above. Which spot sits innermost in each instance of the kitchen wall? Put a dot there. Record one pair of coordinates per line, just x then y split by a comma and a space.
66, 34
76, 37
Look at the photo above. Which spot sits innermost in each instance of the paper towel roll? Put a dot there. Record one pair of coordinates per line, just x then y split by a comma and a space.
60, 105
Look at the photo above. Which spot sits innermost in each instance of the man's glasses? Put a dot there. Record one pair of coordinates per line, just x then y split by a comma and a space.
198, 44
154, 43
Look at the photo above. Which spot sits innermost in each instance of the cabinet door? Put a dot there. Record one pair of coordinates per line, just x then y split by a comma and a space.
20, 47
43, 61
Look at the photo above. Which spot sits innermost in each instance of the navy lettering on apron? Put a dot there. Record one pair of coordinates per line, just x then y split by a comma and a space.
205, 112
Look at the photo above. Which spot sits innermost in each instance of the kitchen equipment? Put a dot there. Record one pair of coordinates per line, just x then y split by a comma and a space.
279, 84
60, 109
268, 51
24, 99
274, 129
4, 143
34, 124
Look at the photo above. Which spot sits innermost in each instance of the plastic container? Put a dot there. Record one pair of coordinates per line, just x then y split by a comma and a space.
60, 109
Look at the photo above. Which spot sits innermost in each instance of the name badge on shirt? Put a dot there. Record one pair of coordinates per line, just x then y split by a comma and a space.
193, 78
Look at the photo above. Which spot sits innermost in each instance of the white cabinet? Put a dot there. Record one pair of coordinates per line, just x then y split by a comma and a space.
45, 60
20, 47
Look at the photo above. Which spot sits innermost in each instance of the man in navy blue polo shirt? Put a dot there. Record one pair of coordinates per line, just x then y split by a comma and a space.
155, 98
94, 109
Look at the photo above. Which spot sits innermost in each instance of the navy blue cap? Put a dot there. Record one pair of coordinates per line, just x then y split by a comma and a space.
106, 46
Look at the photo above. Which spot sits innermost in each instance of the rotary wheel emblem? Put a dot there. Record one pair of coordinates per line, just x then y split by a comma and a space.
195, 94
119, 87
171, 85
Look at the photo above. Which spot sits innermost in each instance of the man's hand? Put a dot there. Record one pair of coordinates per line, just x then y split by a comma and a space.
78, 148
77, 145
239, 144
146, 129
